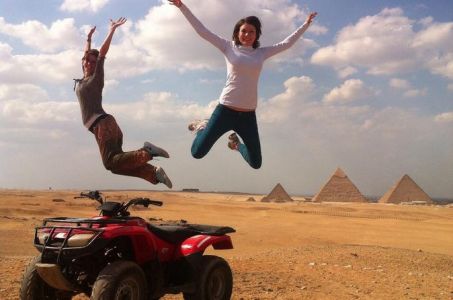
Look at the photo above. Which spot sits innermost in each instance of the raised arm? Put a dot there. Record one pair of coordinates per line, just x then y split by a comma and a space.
291, 39
88, 43
202, 31
106, 45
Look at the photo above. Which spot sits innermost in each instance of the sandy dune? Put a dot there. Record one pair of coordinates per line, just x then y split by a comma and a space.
282, 251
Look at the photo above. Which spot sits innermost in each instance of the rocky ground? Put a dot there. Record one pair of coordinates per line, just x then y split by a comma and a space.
316, 272
289, 252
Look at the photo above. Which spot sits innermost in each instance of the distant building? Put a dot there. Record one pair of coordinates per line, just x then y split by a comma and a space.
191, 190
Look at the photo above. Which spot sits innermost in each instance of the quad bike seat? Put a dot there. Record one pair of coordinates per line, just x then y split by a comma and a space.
176, 233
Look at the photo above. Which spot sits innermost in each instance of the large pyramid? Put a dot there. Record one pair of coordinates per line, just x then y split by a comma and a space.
405, 190
339, 188
278, 194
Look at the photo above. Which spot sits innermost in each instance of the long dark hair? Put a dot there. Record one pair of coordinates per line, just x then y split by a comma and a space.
252, 20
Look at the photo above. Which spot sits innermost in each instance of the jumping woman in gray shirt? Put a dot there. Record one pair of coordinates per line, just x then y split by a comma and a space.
104, 127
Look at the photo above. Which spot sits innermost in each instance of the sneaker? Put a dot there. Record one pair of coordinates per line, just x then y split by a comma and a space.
233, 141
153, 150
162, 177
197, 125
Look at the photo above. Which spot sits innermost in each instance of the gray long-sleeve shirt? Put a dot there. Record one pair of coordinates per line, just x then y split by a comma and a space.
89, 94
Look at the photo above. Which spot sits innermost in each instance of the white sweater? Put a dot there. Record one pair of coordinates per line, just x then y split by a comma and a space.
244, 64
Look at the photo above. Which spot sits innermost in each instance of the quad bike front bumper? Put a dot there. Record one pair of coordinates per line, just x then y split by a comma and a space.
52, 275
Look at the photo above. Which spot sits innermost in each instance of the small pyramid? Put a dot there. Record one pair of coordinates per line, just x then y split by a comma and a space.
278, 194
339, 188
405, 190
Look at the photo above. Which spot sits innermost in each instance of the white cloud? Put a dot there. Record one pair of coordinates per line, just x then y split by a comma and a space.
442, 65
83, 5
408, 90
318, 29
157, 107
379, 43
436, 37
446, 117
387, 43
29, 92
38, 68
426, 21
62, 34
145, 45
412, 93
282, 106
25, 104
56, 60
351, 90
36, 113
399, 83
38, 108
187, 51
346, 72
436, 49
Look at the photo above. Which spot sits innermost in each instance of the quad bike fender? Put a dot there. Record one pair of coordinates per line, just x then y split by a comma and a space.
52, 275
199, 243
141, 243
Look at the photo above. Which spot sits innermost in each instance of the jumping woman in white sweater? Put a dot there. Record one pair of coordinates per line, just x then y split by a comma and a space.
238, 100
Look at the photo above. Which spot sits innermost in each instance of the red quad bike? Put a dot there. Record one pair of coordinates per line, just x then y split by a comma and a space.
117, 256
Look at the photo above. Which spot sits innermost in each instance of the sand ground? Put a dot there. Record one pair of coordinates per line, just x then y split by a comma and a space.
282, 251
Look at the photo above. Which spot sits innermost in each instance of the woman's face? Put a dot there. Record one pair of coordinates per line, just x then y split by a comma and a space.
89, 64
247, 34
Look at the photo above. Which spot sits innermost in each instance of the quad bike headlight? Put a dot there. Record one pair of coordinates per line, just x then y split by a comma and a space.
42, 237
80, 240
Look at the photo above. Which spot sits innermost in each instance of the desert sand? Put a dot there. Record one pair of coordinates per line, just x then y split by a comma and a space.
293, 250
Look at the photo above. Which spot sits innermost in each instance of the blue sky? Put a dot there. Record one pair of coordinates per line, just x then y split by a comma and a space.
369, 88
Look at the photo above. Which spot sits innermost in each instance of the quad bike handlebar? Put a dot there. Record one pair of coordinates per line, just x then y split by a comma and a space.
116, 208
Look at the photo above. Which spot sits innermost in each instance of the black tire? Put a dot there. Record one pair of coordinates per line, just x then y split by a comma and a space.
120, 280
215, 280
34, 288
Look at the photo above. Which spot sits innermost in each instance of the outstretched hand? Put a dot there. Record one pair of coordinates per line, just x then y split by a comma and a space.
311, 16
90, 33
106, 45
117, 23
176, 3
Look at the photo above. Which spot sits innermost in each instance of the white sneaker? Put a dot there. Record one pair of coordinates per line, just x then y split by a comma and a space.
153, 150
197, 125
162, 177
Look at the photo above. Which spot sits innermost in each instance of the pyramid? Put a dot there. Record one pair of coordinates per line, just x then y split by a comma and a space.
405, 190
339, 188
278, 194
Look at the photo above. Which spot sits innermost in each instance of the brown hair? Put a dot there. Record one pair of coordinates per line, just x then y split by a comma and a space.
252, 20
94, 52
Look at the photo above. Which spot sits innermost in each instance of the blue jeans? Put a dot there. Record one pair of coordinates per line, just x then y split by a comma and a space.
224, 119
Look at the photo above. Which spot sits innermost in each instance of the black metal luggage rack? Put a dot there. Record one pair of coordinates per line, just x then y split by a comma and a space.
54, 240
80, 221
